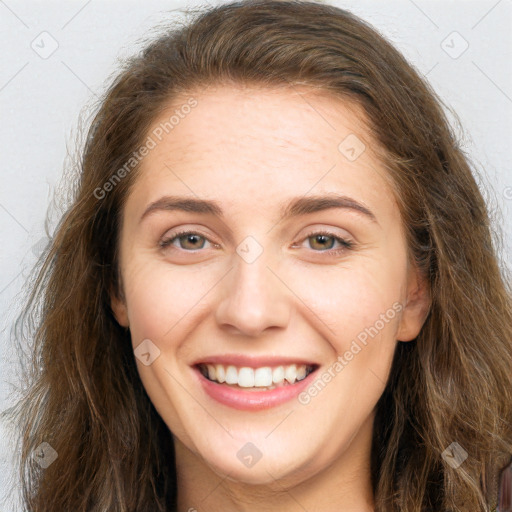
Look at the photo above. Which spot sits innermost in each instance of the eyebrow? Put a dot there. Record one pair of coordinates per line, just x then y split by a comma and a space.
295, 207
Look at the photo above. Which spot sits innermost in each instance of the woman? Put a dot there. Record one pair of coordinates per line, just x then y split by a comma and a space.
276, 288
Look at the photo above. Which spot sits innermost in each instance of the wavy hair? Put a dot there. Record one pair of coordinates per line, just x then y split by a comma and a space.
453, 383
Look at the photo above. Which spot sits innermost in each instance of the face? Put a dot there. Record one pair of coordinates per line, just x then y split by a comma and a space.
263, 276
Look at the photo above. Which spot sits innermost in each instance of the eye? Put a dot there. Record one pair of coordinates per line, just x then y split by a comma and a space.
188, 240
326, 240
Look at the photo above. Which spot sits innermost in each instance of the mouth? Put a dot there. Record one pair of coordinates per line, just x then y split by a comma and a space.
255, 382
257, 379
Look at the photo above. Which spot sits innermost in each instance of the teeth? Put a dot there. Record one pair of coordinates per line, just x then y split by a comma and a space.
264, 377
220, 373
290, 373
301, 372
278, 375
231, 375
246, 377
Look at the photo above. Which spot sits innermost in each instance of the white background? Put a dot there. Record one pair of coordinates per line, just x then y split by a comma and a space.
41, 99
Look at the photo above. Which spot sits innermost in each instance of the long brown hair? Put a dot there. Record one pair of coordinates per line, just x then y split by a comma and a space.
453, 384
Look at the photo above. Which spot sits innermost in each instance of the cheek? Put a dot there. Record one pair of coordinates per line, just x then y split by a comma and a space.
166, 302
159, 297
349, 300
357, 314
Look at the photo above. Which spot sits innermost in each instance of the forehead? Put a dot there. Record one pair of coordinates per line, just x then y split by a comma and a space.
248, 140
292, 117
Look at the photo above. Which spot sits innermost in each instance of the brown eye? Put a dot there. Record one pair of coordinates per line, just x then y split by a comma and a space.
324, 241
187, 240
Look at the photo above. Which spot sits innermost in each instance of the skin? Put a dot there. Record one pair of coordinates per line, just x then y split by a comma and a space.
251, 150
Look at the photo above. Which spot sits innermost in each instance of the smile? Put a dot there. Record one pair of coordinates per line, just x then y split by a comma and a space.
253, 388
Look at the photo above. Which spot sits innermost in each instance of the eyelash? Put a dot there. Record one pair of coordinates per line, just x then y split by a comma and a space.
346, 244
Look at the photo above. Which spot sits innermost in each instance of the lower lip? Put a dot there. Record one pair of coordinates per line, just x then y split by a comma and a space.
251, 400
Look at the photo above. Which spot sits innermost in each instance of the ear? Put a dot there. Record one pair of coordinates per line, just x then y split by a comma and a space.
417, 306
119, 309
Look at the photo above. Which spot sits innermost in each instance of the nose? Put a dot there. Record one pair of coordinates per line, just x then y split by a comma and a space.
254, 298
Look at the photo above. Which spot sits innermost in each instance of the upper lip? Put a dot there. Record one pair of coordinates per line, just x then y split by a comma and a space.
241, 360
